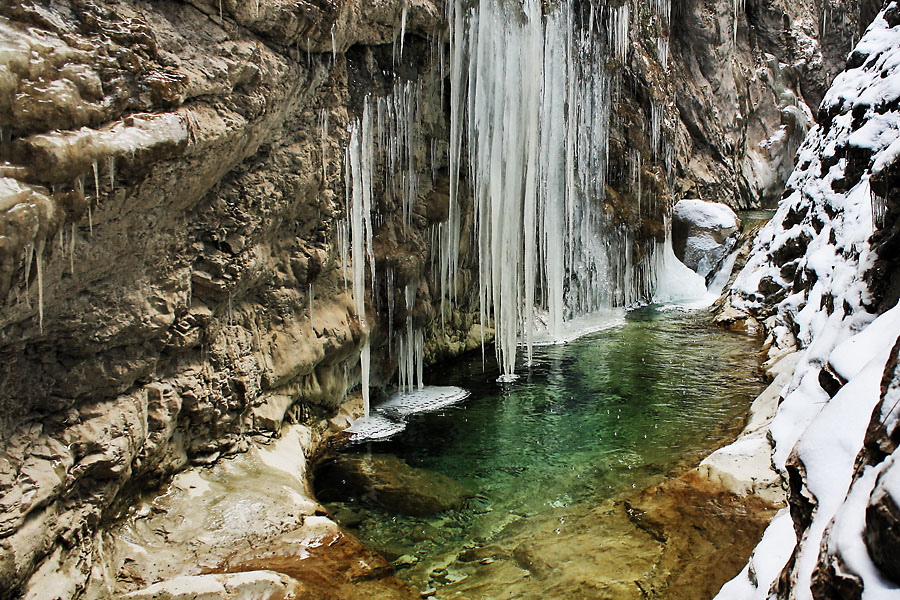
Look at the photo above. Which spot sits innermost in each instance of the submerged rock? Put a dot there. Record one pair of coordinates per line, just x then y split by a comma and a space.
390, 483
703, 234
259, 585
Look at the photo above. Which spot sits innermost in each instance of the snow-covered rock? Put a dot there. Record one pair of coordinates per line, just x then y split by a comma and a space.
816, 276
703, 233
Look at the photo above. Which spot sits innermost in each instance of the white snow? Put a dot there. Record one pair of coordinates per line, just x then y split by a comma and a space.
708, 215
828, 449
765, 563
846, 536
829, 314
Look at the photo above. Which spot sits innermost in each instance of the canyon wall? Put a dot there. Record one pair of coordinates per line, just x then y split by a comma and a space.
822, 280
174, 278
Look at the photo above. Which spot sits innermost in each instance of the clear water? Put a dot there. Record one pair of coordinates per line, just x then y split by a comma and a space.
589, 420
753, 218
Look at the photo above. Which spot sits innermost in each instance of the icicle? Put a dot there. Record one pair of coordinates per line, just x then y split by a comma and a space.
618, 30
29, 256
656, 119
662, 52
96, 180
420, 359
390, 302
530, 91
449, 243
403, 9
323, 128
333, 47
359, 166
40, 278
364, 359
72, 251
111, 165
738, 8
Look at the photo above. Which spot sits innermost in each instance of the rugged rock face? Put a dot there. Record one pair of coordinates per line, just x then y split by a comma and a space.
819, 280
192, 292
745, 78
171, 207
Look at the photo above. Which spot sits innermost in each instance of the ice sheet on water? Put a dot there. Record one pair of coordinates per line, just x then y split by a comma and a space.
575, 328
422, 400
389, 418
374, 427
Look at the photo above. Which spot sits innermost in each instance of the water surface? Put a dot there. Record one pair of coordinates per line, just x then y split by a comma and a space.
586, 422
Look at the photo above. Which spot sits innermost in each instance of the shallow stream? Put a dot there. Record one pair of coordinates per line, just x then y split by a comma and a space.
588, 422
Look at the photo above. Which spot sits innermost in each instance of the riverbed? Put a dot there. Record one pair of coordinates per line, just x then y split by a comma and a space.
561, 462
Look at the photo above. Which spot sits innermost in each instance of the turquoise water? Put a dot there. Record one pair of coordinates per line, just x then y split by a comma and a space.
589, 420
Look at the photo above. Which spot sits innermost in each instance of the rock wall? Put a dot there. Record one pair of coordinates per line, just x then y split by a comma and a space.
821, 279
174, 194
171, 199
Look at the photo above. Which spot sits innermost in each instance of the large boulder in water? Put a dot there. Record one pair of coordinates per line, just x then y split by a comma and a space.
388, 482
703, 234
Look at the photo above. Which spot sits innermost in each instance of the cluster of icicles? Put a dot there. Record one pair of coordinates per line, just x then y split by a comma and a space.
388, 125
34, 252
529, 100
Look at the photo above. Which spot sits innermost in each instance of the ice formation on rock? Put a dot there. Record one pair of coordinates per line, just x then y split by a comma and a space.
530, 95
390, 417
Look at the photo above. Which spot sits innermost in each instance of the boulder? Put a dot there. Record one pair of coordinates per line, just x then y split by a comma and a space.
882, 534
703, 234
390, 483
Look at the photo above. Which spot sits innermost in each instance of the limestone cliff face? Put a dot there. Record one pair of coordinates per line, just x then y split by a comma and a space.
172, 195
172, 276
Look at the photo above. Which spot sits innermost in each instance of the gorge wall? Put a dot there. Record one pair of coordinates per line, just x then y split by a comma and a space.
822, 279
174, 276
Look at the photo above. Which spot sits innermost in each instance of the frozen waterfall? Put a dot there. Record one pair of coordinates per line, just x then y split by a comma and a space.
529, 97
530, 100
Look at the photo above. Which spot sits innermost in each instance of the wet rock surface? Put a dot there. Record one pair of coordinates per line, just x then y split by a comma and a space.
680, 539
389, 482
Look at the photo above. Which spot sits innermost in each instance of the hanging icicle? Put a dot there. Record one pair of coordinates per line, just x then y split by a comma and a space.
96, 181
619, 25
359, 167
111, 167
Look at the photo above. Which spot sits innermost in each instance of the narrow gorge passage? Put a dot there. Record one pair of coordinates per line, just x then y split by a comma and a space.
384, 299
